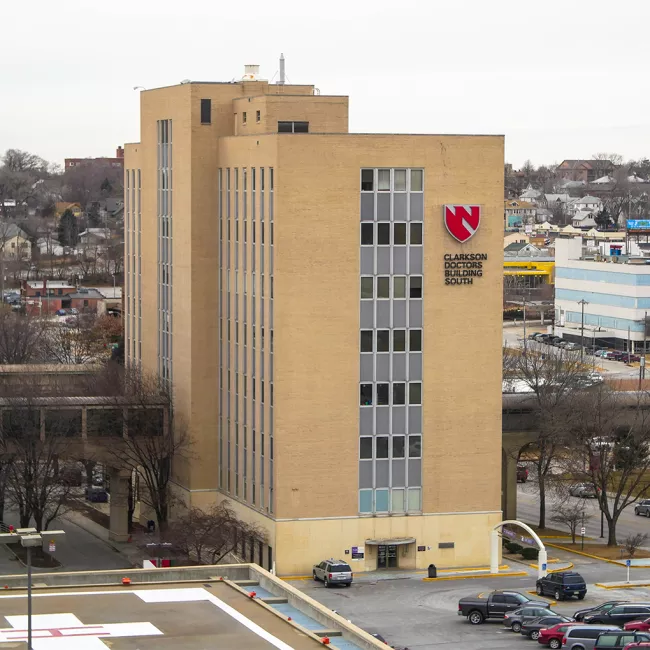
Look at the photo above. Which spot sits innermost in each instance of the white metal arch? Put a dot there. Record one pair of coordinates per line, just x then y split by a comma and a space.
542, 559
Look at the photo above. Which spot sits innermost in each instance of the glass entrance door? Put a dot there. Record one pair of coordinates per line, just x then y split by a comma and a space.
387, 556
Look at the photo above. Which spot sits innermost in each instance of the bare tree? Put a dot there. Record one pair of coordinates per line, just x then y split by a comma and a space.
87, 183
154, 436
571, 515
33, 482
72, 342
20, 337
553, 376
207, 536
609, 445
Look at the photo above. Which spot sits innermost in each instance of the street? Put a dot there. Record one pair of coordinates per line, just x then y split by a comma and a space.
528, 512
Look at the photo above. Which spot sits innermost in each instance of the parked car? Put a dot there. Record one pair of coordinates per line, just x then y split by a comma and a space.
333, 572
96, 494
619, 639
584, 491
552, 636
619, 615
572, 346
583, 637
603, 607
601, 353
495, 605
533, 337
532, 627
514, 620
561, 585
522, 473
642, 508
638, 626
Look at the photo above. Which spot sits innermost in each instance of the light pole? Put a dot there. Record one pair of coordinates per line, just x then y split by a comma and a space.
29, 538
582, 304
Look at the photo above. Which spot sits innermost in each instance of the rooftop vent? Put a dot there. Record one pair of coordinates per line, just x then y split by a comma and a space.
251, 73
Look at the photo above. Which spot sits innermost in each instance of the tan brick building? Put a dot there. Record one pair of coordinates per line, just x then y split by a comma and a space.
334, 351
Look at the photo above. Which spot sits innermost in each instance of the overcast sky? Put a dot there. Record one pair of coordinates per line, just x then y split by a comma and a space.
560, 78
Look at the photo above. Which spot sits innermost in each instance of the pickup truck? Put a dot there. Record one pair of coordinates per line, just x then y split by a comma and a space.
493, 605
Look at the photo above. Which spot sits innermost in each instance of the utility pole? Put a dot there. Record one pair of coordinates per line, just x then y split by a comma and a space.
525, 342
582, 304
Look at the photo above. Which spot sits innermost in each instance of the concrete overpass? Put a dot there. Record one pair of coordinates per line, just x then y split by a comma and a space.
90, 428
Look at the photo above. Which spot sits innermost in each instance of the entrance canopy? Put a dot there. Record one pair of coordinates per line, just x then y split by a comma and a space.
390, 542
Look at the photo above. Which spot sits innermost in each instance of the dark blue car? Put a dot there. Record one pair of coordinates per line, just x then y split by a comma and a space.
561, 585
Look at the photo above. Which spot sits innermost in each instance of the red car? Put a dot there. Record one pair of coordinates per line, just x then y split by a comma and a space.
552, 636
638, 626
642, 644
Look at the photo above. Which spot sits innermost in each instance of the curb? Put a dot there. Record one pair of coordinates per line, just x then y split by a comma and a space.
551, 602
622, 585
502, 567
480, 575
593, 557
566, 568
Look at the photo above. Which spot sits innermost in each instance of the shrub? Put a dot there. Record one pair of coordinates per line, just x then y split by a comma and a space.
530, 553
513, 547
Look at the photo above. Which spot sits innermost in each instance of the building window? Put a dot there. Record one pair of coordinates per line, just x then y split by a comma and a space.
293, 127
383, 234
365, 448
415, 286
415, 393
383, 287
382, 394
399, 180
367, 234
258, 116
415, 446
399, 233
415, 340
381, 447
366, 340
399, 340
365, 500
365, 395
383, 340
414, 499
416, 234
243, 117
367, 184
383, 180
206, 111
399, 393
367, 288
381, 500
417, 180
399, 286
398, 446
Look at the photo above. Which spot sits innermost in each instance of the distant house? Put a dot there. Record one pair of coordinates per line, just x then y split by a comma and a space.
61, 206
49, 246
117, 161
530, 195
521, 249
94, 237
584, 219
586, 171
14, 242
518, 213
586, 204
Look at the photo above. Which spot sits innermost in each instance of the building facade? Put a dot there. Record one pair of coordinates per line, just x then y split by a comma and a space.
334, 351
616, 291
117, 161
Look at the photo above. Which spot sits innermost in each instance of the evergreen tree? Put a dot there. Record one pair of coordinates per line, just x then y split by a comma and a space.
603, 219
68, 229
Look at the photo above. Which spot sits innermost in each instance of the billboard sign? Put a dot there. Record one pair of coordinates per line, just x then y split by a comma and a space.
638, 224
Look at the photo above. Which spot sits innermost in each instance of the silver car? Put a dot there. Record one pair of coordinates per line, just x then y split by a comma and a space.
333, 572
584, 637
642, 508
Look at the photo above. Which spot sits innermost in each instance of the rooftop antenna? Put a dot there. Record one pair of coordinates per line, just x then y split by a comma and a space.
282, 75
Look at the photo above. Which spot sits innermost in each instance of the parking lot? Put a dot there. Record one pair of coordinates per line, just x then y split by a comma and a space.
420, 615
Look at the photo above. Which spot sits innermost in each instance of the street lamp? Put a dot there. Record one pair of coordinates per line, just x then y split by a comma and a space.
29, 538
582, 304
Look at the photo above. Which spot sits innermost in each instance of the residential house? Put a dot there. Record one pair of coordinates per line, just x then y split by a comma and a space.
518, 213
94, 237
14, 242
515, 238
49, 246
584, 219
61, 206
586, 171
530, 195
587, 203
521, 249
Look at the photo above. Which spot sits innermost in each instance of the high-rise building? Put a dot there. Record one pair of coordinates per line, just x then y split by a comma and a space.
327, 307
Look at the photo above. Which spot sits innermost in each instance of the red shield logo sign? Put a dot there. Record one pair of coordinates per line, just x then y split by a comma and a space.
462, 221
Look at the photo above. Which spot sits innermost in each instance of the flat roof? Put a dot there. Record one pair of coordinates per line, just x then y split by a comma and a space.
185, 615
